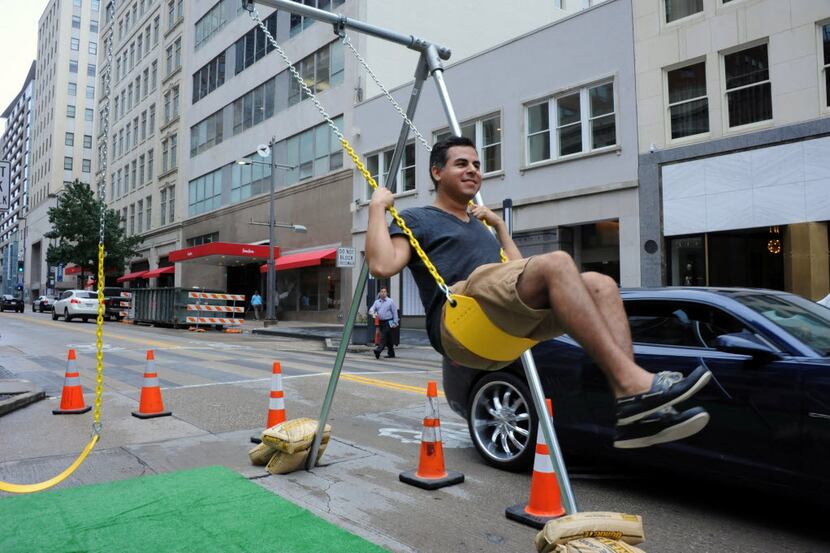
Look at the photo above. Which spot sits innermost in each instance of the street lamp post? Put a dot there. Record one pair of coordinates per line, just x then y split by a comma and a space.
270, 316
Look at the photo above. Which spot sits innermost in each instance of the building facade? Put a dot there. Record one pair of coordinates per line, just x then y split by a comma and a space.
62, 134
16, 146
557, 138
734, 139
144, 130
241, 97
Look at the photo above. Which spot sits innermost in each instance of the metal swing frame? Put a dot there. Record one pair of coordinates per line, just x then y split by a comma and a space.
429, 65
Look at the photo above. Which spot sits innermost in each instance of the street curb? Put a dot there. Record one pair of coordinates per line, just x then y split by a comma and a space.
21, 399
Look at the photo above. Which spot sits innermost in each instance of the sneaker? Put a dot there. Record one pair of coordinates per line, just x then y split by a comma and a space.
666, 425
377, 354
667, 389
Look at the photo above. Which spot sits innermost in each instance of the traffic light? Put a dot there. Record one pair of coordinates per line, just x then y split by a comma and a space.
19, 266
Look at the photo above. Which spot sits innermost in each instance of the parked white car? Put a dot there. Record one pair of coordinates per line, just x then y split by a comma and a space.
76, 303
825, 301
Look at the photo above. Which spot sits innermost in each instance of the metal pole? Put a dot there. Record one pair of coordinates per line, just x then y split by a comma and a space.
311, 462
528, 362
272, 269
410, 41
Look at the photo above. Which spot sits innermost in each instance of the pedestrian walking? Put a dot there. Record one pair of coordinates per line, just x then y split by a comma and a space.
386, 309
256, 304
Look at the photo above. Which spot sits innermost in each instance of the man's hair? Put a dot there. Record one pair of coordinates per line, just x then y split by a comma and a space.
438, 156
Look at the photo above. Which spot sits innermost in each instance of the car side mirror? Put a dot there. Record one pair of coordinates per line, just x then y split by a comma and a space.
743, 343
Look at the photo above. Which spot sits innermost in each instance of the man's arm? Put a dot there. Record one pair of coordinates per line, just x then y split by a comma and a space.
485, 214
386, 255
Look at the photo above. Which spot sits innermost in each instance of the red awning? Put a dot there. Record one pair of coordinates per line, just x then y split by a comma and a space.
155, 273
222, 253
304, 259
72, 269
132, 276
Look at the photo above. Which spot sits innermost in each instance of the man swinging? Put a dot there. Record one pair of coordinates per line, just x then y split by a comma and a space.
539, 297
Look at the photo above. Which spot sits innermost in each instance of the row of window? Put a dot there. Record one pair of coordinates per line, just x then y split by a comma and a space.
747, 89
73, 68
132, 15
209, 78
72, 90
88, 113
68, 164
137, 50
678, 9
311, 153
138, 217
75, 46
136, 91
76, 23
133, 175
133, 133
215, 19
69, 140
298, 23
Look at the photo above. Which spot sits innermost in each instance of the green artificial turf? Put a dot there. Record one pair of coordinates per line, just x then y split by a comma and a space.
201, 510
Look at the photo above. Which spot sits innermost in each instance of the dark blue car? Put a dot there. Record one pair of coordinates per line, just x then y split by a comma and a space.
769, 400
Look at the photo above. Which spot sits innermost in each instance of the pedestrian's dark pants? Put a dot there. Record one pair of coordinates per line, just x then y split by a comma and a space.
385, 339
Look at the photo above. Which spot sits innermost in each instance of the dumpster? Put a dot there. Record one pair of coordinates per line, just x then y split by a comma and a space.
169, 306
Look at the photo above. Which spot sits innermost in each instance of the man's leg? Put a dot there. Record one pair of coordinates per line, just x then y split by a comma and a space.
390, 343
553, 281
383, 338
606, 296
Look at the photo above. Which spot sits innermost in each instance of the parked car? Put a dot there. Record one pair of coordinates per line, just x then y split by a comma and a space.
76, 303
43, 303
112, 303
10, 303
769, 398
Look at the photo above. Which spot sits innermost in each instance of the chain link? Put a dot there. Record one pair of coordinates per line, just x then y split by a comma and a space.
347, 41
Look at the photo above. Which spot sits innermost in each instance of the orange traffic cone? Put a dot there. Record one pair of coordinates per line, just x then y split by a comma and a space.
431, 473
545, 501
150, 405
377, 330
276, 405
72, 396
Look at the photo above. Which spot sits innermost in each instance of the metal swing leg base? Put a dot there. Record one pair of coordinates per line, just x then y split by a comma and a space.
519, 514
256, 440
410, 477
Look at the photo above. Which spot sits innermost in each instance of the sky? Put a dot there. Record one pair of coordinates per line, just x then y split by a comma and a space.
18, 45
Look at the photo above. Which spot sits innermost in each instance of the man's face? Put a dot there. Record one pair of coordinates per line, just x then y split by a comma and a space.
383, 293
461, 175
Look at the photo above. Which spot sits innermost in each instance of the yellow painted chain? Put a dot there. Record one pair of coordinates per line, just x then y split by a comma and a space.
99, 340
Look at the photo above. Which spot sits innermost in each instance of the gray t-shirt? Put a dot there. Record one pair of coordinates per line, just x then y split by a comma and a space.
455, 247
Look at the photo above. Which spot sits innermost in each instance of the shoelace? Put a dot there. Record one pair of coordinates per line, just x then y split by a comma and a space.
666, 379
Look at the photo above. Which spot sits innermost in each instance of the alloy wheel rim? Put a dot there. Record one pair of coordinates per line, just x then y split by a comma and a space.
501, 421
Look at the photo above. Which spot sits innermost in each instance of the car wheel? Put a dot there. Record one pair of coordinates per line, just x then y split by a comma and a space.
502, 421
54, 315
86, 319
66, 316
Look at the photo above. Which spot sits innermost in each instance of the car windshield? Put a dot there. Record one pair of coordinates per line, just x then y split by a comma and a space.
86, 295
806, 320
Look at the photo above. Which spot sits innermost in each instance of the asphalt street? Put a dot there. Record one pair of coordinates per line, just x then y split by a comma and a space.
217, 387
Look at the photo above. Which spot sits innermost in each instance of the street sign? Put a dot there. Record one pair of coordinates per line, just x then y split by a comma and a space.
5, 184
345, 257
60, 273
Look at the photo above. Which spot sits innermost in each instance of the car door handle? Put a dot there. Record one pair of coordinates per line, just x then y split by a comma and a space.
819, 416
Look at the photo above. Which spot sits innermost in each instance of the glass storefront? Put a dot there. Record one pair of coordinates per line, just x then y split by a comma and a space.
308, 289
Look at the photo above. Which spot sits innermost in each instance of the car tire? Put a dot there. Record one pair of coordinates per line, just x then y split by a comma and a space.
66, 316
86, 319
503, 422
54, 315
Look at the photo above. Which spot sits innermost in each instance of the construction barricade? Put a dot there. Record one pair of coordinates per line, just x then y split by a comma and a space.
211, 309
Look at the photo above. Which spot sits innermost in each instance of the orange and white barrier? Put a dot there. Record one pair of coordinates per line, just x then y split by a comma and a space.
216, 308
203, 308
431, 473
215, 296
214, 320
545, 501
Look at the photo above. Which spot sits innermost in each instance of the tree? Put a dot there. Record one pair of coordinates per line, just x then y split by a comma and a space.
76, 227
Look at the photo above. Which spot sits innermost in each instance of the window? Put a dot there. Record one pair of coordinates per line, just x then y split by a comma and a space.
405, 179
153, 75
86, 165
67, 163
204, 239
143, 125
313, 153
88, 114
211, 22
152, 121
748, 90
70, 111
141, 180
74, 44
150, 165
90, 69
171, 104
132, 218
72, 89
174, 56
688, 104
88, 141
253, 45
206, 134
320, 71
486, 134
254, 107
825, 36
76, 21
574, 122
140, 210
163, 207
93, 48
679, 324
171, 204
73, 66
298, 22
209, 78
156, 24
678, 9
69, 139
205, 193
168, 153
148, 204
93, 26
133, 174
175, 10
90, 92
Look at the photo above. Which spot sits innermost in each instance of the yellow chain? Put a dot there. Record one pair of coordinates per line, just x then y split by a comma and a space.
99, 341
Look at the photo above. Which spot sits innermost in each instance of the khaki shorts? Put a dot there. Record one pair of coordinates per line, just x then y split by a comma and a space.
494, 287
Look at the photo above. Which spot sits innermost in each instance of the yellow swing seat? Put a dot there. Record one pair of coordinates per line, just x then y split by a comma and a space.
469, 325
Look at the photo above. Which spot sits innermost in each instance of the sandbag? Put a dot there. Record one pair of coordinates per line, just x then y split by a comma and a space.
261, 454
615, 526
597, 545
283, 463
293, 435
